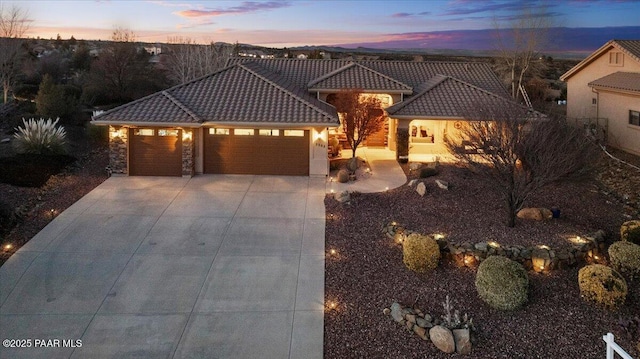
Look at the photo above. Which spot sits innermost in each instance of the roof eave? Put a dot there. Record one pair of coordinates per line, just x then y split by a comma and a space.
616, 90
279, 125
427, 117
144, 123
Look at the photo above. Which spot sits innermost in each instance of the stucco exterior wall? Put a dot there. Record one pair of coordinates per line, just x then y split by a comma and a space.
580, 95
620, 134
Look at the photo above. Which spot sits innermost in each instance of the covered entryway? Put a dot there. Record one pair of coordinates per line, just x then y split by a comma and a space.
155, 152
256, 151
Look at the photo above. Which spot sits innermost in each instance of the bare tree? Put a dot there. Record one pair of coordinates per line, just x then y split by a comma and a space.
521, 152
13, 25
122, 71
520, 43
361, 115
187, 60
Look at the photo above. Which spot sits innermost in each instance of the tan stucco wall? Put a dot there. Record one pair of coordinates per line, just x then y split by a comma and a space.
579, 94
620, 134
612, 106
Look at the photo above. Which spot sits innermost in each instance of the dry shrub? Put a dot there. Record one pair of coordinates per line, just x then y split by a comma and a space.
630, 231
625, 258
420, 253
502, 283
602, 285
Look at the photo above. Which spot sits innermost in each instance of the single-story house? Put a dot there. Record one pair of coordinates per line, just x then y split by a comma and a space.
603, 93
270, 116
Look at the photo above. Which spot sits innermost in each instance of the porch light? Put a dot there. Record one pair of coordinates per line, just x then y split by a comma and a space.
186, 135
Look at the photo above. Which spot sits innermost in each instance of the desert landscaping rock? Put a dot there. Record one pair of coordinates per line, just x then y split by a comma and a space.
442, 338
421, 332
442, 184
421, 189
343, 197
462, 341
396, 312
412, 182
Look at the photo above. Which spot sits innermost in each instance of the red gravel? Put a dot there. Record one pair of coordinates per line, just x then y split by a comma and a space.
367, 274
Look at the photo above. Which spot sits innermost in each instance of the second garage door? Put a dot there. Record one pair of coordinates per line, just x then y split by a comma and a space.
256, 151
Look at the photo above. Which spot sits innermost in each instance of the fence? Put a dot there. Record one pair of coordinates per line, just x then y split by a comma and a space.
613, 348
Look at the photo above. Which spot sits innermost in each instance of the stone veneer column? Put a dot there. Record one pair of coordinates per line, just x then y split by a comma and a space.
402, 145
118, 150
188, 164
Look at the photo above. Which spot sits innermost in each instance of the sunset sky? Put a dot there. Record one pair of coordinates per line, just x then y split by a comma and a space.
394, 23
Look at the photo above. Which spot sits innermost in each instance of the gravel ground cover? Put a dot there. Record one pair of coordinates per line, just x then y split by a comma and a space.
365, 273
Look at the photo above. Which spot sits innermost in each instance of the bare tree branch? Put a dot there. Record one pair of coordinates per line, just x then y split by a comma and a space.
361, 115
187, 60
521, 152
13, 25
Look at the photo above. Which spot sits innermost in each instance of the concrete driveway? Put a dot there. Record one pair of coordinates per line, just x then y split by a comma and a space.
209, 267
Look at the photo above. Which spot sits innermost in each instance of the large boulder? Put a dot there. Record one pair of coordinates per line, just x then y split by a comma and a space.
443, 339
536, 214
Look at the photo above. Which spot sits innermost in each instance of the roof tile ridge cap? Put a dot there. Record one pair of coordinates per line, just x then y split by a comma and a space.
385, 76
287, 91
617, 44
182, 106
332, 73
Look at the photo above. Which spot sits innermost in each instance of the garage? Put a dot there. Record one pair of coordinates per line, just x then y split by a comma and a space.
256, 151
155, 152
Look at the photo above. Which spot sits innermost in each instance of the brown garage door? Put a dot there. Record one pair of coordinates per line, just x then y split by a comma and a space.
256, 151
155, 152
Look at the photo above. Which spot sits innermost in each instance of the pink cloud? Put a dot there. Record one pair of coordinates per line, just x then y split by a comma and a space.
243, 8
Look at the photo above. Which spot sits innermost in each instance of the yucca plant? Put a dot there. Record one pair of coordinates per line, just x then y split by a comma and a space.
40, 137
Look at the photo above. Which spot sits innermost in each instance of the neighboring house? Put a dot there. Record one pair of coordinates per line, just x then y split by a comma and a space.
603, 90
271, 116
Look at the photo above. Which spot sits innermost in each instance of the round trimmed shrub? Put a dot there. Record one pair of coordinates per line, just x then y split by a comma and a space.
420, 253
625, 258
630, 231
602, 285
502, 283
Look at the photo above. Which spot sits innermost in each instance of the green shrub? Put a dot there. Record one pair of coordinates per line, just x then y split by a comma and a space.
40, 137
428, 172
625, 258
502, 283
630, 231
602, 285
420, 253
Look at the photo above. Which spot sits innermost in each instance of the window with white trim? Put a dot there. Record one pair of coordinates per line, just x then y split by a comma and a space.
165, 133
634, 118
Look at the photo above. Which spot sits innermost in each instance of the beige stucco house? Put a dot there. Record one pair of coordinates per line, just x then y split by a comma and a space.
271, 116
603, 90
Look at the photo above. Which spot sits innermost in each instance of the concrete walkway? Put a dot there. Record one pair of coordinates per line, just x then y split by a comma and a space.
150, 267
385, 174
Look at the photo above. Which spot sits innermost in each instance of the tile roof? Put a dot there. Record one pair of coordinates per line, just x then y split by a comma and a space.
160, 107
448, 97
276, 91
242, 93
625, 81
357, 76
301, 72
